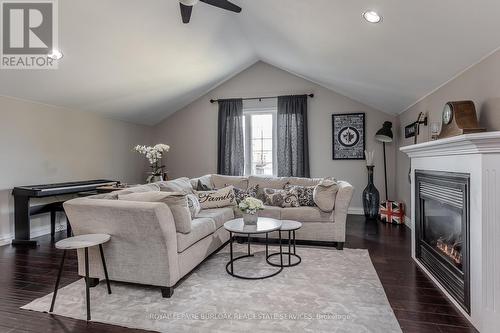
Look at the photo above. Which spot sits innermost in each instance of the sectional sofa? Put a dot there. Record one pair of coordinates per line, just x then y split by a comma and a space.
145, 247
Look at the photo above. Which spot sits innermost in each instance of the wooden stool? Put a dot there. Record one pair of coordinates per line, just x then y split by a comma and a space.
82, 242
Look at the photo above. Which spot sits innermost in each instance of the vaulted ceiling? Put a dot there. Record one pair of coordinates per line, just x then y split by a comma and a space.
135, 60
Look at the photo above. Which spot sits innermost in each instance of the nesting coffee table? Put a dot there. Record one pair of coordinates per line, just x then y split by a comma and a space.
289, 226
264, 226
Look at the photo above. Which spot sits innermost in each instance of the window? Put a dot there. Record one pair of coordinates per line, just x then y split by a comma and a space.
260, 141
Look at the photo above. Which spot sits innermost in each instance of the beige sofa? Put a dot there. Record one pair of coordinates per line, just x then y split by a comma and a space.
145, 247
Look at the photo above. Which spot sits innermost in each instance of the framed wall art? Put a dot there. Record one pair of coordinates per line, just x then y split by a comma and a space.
348, 136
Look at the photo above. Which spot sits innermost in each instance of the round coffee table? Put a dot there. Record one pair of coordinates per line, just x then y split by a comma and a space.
289, 226
264, 226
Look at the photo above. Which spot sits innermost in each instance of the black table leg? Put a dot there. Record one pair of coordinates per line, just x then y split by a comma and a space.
52, 224
69, 231
281, 250
267, 244
231, 250
22, 222
87, 282
294, 243
248, 244
289, 247
105, 269
57, 282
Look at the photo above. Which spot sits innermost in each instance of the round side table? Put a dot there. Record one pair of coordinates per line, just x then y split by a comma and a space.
82, 242
264, 226
289, 226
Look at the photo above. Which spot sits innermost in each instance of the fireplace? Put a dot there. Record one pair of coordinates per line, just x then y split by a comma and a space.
442, 230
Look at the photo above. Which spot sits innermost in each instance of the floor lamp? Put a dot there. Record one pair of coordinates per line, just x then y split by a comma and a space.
384, 135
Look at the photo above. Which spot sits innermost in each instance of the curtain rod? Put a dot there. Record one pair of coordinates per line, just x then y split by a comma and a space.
259, 98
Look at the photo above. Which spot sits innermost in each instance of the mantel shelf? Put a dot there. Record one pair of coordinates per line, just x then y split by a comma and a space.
476, 143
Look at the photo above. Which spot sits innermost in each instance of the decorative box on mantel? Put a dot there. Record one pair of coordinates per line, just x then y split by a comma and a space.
455, 212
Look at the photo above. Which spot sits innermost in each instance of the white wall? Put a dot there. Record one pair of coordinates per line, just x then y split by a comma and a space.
192, 131
480, 83
46, 144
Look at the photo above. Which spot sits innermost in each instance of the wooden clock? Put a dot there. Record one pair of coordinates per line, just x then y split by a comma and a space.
459, 118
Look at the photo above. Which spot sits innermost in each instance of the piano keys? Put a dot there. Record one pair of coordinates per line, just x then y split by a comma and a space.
23, 194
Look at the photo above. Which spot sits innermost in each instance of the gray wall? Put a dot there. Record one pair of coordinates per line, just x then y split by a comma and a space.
192, 131
46, 144
480, 83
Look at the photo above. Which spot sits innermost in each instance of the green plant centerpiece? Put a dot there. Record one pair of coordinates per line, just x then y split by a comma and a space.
250, 206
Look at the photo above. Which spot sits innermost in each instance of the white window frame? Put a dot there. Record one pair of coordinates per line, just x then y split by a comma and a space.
247, 113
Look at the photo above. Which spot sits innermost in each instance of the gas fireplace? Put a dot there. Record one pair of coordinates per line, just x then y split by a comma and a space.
442, 230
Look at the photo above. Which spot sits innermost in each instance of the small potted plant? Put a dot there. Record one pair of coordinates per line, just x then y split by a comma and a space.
154, 155
249, 207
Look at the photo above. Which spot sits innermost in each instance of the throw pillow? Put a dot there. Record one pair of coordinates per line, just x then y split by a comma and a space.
305, 194
202, 187
220, 181
281, 198
241, 194
216, 198
182, 185
325, 193
177, 202
193, 205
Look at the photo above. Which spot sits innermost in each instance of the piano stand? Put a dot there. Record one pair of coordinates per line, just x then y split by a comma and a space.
23, 211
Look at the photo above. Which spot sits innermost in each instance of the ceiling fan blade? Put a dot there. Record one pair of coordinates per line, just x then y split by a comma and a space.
224, 4
186, 12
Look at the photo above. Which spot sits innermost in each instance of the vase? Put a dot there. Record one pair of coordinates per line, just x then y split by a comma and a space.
154, 178
371, 197
250, 219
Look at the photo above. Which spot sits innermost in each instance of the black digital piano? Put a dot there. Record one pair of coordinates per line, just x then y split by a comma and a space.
23, 211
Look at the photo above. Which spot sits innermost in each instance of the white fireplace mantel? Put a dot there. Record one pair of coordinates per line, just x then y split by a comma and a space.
478, 155
476, 143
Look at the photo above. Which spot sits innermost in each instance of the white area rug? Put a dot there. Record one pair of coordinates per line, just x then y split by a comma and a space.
330, 291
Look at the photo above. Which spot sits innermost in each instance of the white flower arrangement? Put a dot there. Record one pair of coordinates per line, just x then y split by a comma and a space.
251, 205
154, 155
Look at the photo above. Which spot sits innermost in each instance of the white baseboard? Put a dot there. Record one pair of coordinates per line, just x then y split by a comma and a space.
35, 232
408, 222
356, 211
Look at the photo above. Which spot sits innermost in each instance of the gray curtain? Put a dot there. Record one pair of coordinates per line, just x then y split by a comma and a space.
231, 155
293, 151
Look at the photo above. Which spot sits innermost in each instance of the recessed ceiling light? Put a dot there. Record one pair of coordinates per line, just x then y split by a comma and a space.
55, 54
372, 16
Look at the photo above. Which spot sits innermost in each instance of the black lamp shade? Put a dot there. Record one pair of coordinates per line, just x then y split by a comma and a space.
385, 133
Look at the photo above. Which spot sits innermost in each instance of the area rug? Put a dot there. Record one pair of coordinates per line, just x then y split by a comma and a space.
329, 291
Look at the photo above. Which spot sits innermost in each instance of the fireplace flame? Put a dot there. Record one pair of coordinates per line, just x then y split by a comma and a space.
451, 248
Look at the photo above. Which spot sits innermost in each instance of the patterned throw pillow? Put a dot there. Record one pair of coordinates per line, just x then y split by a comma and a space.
241, 194
193, 205
305, 193
216, 198
281, 198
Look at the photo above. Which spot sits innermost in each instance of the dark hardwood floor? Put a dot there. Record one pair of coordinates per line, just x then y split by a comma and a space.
26, 274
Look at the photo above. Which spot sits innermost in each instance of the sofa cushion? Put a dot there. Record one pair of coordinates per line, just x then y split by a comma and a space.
203, 183
281, 198
306, 214
219, 215
193, 205
268, 211
305, 194
325, 193
223, 197
220, 181
268, 182
182, 185
177, 202
304, 181
200, 228
242, 194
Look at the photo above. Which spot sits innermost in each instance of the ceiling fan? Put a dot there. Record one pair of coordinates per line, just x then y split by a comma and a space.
187, 7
